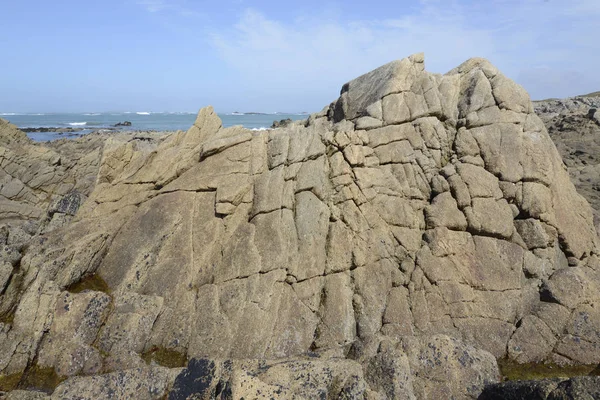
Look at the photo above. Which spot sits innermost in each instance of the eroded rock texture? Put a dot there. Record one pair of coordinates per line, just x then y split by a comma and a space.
574, 126
32, 176
406, 236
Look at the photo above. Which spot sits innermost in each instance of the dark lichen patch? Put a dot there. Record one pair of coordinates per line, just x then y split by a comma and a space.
8, 317
165, 357
91, 282
10, 382
43, 379
198, 379
512, 371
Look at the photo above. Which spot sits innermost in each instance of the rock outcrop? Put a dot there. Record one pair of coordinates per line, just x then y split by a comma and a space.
574, 126
282, 123
40, 190
393, 245
42, 187
37, 179
31, 176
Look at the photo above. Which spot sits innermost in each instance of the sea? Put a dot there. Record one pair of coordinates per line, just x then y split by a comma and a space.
140, 121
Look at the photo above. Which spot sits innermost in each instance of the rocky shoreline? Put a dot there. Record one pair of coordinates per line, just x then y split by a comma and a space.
47, 129
79, 131
414, 239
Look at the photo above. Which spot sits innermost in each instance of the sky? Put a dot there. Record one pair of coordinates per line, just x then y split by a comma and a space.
267, 56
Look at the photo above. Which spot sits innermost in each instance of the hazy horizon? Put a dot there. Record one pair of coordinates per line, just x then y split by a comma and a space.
182, 55
125, 112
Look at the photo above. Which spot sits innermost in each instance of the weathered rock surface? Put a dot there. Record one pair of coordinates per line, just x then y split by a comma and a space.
583, 387
36, 179
42, 187
406, 236
31, 176
574, 126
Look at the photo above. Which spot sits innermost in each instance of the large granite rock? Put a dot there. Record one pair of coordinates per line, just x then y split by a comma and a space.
574, 126
31, 176
42, 186
413, 231
36, 178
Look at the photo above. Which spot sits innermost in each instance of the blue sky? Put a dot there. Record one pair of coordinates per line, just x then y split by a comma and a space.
180, 55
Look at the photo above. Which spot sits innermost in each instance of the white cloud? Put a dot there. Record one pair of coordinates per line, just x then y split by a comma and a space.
178, 7
153, 5
319, 55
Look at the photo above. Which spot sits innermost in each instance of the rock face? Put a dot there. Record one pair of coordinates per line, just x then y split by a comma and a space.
31, 176
391, 246
42, 187
35, 178
574, 126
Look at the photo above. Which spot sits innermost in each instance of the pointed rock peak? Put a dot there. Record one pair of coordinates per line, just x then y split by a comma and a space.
417, 58
394, 77
204, 114
475, 63
10, 133
207, 124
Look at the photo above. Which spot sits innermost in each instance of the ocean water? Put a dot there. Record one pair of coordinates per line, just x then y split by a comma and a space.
140, 121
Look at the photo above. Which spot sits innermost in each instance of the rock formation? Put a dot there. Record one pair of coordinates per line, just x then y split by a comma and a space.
393, 245
282, 123
574, 126
31, 176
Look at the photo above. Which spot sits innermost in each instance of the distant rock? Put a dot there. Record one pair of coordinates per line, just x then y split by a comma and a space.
281, 123
592, 94
51, 129
548, 109
574, 126
124, 123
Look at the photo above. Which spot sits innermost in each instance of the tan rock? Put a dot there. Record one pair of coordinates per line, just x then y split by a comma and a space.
415, 205
141, 383
532, 342
444, 212
368, 123
442, 366
490, 217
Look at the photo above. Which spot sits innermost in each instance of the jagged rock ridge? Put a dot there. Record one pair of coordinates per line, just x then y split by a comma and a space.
419, 226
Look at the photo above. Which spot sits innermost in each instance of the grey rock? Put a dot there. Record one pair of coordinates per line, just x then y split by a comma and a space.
305, 379
584, 387
517, 390
68, 204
